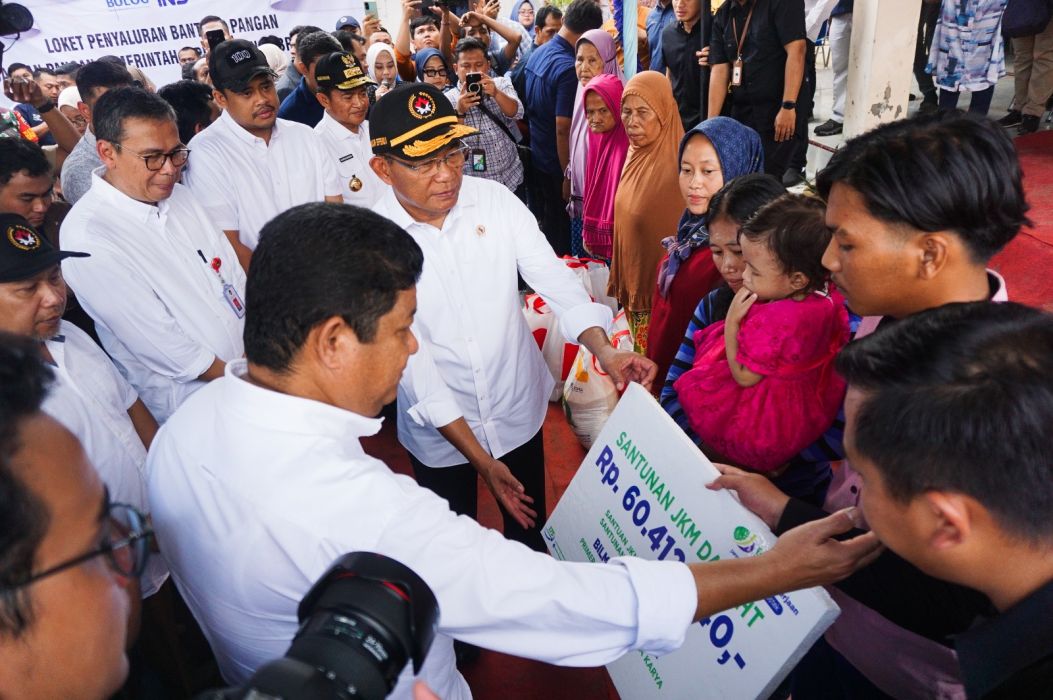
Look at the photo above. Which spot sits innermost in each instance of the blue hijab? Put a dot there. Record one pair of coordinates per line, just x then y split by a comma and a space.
514, 15
740, 152
421, 59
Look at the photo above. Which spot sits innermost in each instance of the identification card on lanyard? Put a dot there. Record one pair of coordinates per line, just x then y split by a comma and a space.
740, 40
230, 292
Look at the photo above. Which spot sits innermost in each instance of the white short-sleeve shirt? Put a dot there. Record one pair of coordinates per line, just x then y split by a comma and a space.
243, 182
350, 153
255, 493
156, 286
91, 399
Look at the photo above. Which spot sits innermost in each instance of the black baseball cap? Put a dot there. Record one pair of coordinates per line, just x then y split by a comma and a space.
413, 121
339, 71
234, 63
24, 252
348, 21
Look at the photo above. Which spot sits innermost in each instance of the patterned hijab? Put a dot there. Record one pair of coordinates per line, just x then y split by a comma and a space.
740, 152
603, 168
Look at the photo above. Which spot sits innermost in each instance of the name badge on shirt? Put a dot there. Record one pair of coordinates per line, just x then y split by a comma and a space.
736, 73
478, 160
234, 300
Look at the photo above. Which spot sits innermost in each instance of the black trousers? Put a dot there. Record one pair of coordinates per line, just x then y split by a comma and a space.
459, 486
551, 210
761, 118
930, 15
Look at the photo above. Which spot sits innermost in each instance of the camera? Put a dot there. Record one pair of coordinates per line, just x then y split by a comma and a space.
359, 625
14, 19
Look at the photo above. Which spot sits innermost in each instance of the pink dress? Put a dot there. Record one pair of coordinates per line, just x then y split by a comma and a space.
793, 344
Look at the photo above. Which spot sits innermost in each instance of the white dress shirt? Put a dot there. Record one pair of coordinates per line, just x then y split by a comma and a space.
478, 359
91, 399
350, 153
255, 494
243, 182
159, 307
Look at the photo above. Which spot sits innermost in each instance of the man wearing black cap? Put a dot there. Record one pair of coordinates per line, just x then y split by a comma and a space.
248, 165
477, 391
163, 284
301, 105
89, 396
344, 129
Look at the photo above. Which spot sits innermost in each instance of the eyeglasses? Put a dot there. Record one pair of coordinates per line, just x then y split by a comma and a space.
156, 161
453, 160
125, 543
435, 72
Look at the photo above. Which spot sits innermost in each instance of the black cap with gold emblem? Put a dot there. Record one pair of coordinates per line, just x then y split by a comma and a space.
413, 121
339, 71
24, 252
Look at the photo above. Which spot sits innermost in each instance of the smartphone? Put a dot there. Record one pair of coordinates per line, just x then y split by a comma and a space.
473, 83
371, 8
214, 37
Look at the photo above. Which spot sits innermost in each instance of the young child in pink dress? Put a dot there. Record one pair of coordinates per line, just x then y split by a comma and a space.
763, 385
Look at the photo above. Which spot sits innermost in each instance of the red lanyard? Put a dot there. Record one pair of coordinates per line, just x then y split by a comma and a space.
740, 40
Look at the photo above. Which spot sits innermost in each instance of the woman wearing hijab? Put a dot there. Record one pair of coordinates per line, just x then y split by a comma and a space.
433, 69
381, 66
277, 59
608, 146
523, 15
595, 54
647, 204
716, 151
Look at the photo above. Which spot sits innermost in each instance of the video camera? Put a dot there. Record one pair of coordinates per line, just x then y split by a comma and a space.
14, 19
359, 624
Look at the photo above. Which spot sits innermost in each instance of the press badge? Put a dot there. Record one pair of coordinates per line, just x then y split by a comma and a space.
736, 73
478, 160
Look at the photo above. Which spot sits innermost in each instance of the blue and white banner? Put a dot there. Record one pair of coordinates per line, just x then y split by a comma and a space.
149, 33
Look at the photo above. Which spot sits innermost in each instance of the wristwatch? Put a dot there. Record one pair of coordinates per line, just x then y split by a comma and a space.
789, 104
46, 107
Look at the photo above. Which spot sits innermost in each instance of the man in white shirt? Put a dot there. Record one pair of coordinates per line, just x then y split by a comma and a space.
344, 129
248, 165
88, 395
163, 284
259, 482
478, 392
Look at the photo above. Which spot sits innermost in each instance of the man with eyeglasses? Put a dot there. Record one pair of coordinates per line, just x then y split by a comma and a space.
344, 129
88, 396
475, 397
162, 283
69, 557
249, 165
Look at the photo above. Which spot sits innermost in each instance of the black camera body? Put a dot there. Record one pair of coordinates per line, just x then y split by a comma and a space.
359, 625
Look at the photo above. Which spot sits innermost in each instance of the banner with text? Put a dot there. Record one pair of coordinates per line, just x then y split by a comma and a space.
641, 492
149, 33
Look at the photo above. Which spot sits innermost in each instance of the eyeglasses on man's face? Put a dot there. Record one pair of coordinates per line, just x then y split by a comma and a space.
124, 541
156, 161
453, 159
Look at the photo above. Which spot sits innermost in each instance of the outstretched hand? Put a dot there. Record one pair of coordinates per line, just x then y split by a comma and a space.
509, 493
810, 556
755, 491
625, 366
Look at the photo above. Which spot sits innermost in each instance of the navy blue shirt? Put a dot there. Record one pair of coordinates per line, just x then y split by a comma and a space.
550, 89
33, 118
657, 19
301, 106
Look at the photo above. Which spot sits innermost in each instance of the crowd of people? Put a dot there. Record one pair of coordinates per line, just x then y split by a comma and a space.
211, 291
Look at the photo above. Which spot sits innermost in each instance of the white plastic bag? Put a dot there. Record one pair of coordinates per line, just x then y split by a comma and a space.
594, 275
589, 394
558, 353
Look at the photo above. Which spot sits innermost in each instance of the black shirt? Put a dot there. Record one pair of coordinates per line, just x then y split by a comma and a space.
678, 54
1011, 655
775, 23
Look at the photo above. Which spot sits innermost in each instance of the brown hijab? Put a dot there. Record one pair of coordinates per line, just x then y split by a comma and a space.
648, 204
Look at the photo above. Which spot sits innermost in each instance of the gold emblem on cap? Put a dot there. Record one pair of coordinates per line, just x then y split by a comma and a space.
355, 184
22, 237
421, 105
